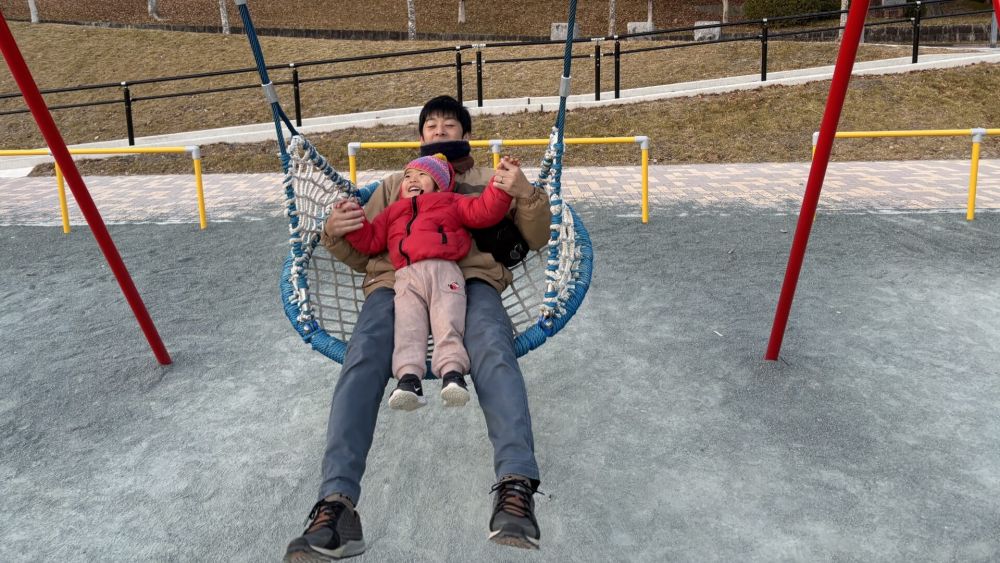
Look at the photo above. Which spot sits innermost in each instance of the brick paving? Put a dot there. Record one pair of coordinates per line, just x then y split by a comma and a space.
860, 186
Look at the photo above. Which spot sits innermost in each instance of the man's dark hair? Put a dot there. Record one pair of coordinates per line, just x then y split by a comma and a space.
448, 107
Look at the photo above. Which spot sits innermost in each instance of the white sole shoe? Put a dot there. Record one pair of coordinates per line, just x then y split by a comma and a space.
405, 400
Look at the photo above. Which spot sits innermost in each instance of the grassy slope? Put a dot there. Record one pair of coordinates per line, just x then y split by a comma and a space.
769, 125
518, 17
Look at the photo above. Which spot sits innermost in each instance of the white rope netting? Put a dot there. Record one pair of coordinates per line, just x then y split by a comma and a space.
329, 292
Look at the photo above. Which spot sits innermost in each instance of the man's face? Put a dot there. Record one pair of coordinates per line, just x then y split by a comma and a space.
438, 128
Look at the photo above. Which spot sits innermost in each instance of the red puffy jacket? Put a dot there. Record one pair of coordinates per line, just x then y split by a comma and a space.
432, 225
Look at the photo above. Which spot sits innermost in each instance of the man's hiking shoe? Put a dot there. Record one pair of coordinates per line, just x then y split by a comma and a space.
408, 394
513, 522
454, 392
333, 532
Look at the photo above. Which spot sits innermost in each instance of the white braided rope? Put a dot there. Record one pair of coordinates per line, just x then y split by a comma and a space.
309, 198
562, 280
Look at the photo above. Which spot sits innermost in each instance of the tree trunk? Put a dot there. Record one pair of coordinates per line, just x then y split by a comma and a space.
725, 11
153, 13
224, 15
461, 11
34, 11
411, 19
844, 4
649, 13
612, 16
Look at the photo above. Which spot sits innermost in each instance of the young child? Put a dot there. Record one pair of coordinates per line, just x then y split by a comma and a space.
425, 232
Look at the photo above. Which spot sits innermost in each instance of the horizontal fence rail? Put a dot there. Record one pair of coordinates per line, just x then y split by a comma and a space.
496, 144
195, 152
737, 32
977, 134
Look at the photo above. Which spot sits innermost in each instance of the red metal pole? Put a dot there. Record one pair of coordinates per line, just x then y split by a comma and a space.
996, 8
827, 130
19, 69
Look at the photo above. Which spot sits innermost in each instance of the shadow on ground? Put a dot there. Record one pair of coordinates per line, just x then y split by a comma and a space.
661, 433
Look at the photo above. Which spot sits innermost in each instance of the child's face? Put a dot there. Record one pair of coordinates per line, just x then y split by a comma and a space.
416, 182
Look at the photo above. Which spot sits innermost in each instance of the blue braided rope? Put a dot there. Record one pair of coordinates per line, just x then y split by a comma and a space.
537, 334
277, 114
555, 195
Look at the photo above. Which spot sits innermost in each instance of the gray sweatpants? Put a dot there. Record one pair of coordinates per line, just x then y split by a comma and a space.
430, 299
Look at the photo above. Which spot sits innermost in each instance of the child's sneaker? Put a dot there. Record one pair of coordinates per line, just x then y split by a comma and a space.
408, 394
454, 392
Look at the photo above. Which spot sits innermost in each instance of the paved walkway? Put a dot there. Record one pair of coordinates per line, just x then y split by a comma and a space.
862, 186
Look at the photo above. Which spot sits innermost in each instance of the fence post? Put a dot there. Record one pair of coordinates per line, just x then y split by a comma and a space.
458, 73
916, 33
597, 67
296, 89
763, 50
479, 75
618, 68
993, 32
128, 114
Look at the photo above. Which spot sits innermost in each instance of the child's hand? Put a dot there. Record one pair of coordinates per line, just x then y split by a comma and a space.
509, 178
346, 216
511, 160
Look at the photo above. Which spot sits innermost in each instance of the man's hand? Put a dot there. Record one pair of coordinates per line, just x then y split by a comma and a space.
345, 217
509, 178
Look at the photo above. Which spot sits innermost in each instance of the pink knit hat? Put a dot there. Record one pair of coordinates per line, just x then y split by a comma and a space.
438, 168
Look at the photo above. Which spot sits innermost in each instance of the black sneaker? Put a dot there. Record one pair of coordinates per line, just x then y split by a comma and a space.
454, 391
408, 394
513, 522
333, 532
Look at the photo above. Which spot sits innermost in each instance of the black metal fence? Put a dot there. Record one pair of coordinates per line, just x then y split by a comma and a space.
915, 17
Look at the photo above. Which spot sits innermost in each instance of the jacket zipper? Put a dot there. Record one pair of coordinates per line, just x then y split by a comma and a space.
409, 224
444, 237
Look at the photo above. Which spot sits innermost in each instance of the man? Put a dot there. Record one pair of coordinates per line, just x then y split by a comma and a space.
334, 528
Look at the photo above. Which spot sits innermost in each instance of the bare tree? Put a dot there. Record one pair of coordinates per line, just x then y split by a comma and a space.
649, 12
461, 11
843, 18
725, 11
224, 15
34, 11
612, 16
153, 10
411, 20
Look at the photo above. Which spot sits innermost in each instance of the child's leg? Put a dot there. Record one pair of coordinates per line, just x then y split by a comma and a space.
409, 355
447, 314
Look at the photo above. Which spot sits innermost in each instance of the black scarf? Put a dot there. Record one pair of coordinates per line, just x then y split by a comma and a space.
458, 154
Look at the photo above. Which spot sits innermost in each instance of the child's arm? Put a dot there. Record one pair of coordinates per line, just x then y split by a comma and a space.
486, 210
372, 237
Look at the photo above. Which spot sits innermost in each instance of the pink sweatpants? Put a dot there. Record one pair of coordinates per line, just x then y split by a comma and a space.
430, 292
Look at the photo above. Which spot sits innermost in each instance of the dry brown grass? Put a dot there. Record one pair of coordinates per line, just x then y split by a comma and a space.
70, 55
770, 125
516, 17
773, 124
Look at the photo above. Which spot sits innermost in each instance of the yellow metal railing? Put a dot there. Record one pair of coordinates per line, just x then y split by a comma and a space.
977, 134
195, 156
496, 144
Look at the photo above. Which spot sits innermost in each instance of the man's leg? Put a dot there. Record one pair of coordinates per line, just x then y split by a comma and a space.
504, 399
356, 398
499, 384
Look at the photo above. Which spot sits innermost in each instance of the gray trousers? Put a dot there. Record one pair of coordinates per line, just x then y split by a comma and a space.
368, 368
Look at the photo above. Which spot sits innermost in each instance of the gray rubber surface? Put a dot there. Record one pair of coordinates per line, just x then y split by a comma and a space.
661, 433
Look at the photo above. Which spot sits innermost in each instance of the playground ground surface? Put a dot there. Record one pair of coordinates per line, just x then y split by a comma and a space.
661, 432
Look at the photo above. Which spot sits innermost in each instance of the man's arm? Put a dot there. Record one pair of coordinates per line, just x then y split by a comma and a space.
531, 211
